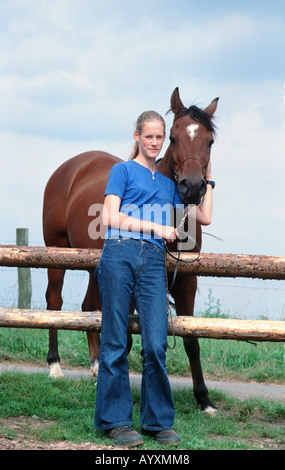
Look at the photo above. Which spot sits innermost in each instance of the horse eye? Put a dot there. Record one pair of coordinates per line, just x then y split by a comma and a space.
210, 143
172, 140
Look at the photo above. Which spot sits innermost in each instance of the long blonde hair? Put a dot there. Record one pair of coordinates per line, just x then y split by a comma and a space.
145, 116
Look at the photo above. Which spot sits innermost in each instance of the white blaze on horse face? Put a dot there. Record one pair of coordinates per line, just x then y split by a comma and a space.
192, 130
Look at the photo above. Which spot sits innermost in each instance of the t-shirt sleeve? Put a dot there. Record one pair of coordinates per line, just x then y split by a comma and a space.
117, 180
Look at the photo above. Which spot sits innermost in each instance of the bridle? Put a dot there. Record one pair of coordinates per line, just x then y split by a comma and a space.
175, 172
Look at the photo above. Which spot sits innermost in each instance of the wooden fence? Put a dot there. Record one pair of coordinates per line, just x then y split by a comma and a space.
208, 264
24, 274
217, 265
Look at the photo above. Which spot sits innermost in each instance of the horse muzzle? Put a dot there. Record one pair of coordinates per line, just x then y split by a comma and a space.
192, 192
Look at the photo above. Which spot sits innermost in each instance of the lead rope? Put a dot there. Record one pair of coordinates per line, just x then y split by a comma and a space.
169, 290
168, 309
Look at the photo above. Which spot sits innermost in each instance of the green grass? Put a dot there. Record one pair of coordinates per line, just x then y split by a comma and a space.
222, 359
69, 407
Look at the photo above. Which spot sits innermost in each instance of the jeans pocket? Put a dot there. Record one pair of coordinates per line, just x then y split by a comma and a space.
116, 241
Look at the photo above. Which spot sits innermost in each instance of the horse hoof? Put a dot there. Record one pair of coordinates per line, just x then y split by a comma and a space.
210, 411
55, 371
94, 368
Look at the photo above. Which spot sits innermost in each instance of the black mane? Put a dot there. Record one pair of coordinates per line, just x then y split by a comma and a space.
198, 115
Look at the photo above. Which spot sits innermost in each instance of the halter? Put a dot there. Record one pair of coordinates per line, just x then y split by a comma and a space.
181, 164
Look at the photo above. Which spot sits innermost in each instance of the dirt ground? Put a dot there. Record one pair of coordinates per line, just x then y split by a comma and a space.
23, 425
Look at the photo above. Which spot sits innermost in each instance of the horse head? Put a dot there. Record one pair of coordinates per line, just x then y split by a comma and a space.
191, 138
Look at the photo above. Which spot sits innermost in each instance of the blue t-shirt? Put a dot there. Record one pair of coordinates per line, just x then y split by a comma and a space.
143, 196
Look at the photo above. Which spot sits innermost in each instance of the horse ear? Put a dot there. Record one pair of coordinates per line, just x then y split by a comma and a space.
212, 107
176, 103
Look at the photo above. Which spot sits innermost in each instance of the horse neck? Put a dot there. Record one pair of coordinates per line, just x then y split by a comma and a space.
165, 165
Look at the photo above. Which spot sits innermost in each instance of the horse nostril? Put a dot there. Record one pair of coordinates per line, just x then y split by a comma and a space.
192, 192
183, 186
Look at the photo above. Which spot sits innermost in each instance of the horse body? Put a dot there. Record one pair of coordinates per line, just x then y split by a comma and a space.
80, 183
70, 192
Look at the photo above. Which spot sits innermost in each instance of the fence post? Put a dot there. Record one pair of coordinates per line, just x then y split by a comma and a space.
24, 274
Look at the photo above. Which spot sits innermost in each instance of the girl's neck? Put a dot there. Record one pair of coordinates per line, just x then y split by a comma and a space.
148, 163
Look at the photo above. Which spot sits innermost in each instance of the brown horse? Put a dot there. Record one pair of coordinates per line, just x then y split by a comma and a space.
79, 184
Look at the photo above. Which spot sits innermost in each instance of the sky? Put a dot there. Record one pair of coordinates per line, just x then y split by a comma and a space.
75, 74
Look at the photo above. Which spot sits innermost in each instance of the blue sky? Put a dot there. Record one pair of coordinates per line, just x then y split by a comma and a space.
75, 74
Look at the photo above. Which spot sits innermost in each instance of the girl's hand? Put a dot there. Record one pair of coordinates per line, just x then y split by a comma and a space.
166, 232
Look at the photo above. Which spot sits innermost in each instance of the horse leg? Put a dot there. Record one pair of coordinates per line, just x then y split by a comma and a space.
129, 335
91, 303
54, 302
200, 390
184, 296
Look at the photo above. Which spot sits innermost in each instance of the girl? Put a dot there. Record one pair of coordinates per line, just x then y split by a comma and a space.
132, 268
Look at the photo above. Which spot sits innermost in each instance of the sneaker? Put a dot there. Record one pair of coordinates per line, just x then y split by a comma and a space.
124, 436
167, 437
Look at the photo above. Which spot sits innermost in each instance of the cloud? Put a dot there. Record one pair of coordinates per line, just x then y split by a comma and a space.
249, 165
63, 67
27, 162
75, 77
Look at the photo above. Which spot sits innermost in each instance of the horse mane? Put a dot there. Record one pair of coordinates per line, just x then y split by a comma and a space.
198, 115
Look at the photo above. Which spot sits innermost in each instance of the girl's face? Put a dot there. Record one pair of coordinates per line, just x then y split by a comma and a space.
151, 139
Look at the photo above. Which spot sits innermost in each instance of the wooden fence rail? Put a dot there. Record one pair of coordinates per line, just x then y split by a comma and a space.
217, 265
245, 330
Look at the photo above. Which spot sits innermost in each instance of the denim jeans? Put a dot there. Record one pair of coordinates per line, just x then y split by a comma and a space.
128, 269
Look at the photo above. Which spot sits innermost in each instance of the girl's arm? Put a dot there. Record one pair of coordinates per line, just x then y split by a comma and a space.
112, 217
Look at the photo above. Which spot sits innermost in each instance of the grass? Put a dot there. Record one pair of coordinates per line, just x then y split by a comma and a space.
69, 407
221, 359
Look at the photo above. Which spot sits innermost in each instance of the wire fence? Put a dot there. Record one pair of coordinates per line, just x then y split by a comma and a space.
231, 297
237, 298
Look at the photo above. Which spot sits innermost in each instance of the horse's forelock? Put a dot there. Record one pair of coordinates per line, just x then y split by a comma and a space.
198, 115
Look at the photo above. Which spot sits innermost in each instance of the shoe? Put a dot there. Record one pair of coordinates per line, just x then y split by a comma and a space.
124, 436
166, 438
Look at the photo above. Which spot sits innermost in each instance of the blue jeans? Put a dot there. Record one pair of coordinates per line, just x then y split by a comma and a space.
135, 269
